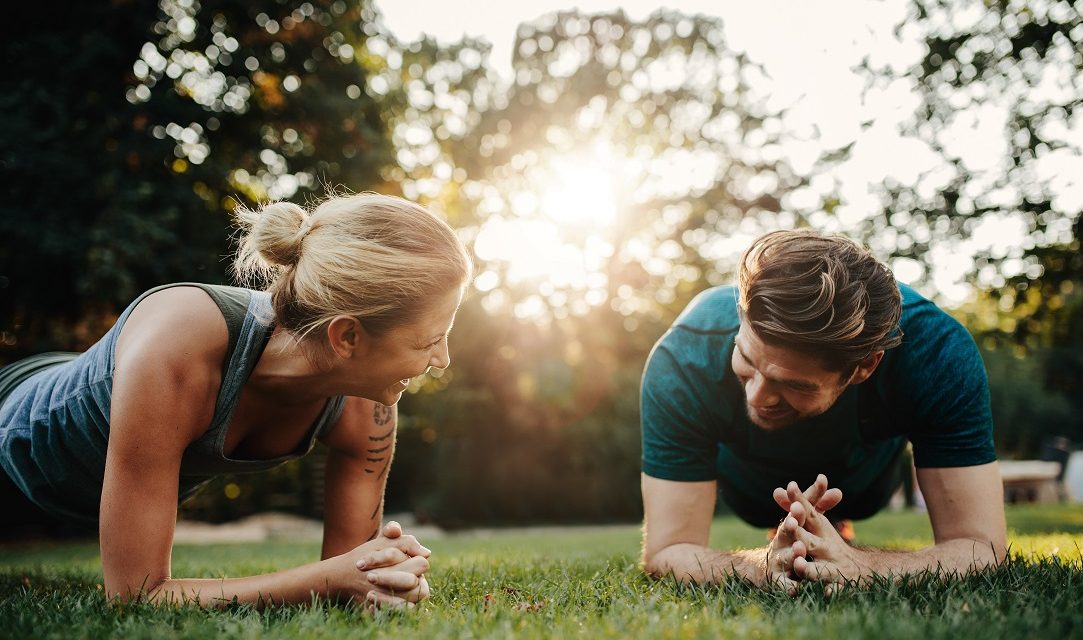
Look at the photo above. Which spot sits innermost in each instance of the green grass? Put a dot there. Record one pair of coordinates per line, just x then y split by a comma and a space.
581, 583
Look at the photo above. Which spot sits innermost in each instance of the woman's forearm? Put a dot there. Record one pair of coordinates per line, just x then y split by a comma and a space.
296, 585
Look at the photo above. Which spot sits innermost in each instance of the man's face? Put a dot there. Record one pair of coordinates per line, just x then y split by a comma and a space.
783, 386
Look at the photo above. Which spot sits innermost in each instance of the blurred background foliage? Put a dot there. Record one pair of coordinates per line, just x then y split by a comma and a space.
620, 171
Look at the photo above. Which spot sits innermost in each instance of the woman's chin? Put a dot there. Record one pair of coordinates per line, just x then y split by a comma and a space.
393, 393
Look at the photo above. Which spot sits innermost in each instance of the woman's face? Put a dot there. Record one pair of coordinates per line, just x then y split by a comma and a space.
407, 351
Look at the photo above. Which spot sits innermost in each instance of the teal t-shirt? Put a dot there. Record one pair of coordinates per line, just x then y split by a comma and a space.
931, 390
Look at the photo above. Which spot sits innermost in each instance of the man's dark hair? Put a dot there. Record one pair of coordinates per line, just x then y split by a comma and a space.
823, 295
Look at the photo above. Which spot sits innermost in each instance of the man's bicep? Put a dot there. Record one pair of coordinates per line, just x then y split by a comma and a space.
677, 442
676, 513
942, 379
965, 503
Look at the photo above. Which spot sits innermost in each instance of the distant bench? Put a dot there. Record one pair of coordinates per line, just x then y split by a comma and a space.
1031, 480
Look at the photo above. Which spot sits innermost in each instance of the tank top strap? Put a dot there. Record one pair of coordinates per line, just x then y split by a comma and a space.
256, 327
233, 303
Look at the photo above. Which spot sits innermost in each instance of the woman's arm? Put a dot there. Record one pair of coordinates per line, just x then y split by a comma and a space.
168, 361
165, 380
361, 445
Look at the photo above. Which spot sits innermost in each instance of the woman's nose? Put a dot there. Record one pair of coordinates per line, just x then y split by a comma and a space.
441, 358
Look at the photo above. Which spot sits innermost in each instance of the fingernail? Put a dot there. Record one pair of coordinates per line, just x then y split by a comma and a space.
361, 564
425, 549
372, 577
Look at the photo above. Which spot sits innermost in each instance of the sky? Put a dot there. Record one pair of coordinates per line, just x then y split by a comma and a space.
809, 50
807, 47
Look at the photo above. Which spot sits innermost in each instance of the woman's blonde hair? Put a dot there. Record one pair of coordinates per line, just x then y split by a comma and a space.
378, 258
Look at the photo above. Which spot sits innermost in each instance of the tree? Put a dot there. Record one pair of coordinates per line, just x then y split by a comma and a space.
88, 199
664, 132
999, 85
999, 91
126, 146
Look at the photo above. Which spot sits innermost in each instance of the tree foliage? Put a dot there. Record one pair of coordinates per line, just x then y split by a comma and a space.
1000, 84
543, 419
126, 146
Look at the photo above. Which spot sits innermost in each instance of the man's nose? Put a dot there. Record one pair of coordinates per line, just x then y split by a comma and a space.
759, 392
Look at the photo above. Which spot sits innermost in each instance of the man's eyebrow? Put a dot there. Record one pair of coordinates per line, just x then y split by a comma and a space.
801, 385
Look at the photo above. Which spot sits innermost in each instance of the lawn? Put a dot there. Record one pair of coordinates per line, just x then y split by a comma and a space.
585, 583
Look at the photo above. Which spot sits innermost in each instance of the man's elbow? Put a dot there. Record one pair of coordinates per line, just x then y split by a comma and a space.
648, 563
653, 563
987, 552
662, 564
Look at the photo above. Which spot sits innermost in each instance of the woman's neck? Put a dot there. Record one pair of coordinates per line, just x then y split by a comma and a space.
289, 371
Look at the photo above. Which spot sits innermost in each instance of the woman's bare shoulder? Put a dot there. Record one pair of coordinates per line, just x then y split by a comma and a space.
178, 325
168, 369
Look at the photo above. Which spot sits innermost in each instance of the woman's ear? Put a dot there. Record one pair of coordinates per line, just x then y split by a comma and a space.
346, 336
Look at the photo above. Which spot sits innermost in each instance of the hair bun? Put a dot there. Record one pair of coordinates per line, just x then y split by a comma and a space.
272, 236
380, 259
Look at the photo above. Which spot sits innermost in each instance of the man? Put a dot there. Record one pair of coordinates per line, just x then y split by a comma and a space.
818, 362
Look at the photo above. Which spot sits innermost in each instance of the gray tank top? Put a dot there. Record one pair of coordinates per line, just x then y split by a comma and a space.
54, 413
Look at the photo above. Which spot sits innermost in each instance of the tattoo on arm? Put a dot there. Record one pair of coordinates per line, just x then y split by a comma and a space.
382, 414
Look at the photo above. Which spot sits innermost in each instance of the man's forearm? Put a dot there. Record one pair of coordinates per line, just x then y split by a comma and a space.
692, 563
952, 556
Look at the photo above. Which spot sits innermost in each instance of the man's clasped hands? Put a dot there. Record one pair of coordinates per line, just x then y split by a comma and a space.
806, 547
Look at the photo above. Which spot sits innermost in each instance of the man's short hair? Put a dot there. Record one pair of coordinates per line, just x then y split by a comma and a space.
824, 295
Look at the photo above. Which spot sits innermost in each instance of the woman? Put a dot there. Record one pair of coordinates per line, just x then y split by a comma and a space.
196, 380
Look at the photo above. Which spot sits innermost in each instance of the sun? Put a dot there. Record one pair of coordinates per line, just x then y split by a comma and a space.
581, 193
553, 242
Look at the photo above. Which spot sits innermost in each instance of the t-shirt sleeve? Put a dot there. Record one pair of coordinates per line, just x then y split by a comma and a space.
944, 381
678, 443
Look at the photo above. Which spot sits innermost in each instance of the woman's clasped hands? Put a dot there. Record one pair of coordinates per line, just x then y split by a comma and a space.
387, 571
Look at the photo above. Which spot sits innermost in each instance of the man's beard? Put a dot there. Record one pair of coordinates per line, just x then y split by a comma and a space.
784, 420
